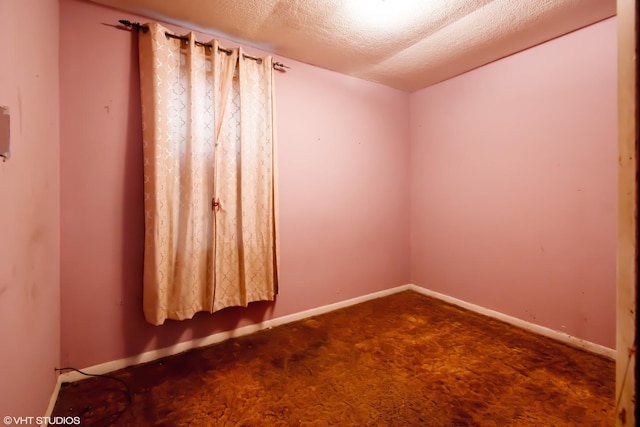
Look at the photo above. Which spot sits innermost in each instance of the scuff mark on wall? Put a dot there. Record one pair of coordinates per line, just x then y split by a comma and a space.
20, 109
32, 292
37, 235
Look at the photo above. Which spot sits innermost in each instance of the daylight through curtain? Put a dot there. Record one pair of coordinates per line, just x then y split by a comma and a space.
208, 177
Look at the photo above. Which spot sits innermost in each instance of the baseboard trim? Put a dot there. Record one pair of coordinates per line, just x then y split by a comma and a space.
52, 400
152, 355
540, 330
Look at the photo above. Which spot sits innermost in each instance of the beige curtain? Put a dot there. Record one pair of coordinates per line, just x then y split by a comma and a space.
208, 177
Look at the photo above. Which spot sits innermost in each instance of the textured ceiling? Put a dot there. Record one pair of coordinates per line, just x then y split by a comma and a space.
405, 44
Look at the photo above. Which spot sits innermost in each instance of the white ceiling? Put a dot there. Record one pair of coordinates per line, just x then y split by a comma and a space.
405, 44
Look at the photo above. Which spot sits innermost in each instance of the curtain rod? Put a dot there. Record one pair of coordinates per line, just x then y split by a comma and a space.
278, 66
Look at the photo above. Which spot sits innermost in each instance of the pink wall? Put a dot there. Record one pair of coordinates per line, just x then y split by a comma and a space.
344, 194
29, 208
512, 182
513, 186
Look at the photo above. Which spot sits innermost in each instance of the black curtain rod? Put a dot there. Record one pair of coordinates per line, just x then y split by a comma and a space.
279, 66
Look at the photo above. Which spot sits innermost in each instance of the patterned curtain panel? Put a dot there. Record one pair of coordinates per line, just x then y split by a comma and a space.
208, 176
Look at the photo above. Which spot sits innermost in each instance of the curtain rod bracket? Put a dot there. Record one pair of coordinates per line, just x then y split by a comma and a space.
138, 26
279, 66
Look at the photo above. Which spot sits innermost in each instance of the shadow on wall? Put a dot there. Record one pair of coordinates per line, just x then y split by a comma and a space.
138, 335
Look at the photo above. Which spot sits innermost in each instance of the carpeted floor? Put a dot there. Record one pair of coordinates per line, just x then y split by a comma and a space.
402, 360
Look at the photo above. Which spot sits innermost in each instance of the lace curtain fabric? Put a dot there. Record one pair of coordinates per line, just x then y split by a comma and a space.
207, 137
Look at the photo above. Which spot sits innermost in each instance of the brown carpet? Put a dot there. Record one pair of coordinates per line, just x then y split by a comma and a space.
402, 360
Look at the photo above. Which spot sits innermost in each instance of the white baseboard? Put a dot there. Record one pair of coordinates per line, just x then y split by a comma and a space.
52, 401
152, 355
540, 330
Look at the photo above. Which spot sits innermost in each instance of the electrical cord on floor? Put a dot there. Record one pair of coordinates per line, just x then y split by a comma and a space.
116, 415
